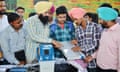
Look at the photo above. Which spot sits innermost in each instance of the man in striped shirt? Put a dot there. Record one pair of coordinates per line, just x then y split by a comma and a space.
38, 30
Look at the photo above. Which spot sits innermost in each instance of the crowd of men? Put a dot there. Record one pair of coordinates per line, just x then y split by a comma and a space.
96, 35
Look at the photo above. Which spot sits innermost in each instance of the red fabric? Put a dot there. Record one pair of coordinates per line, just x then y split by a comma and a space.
62, 26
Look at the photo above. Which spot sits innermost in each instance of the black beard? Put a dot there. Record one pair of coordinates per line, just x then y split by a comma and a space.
43, 19
2, 12
103, 26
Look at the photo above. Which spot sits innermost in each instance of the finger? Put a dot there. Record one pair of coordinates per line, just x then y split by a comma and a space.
73, 49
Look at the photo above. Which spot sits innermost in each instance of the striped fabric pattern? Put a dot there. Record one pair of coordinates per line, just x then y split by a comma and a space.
37, 33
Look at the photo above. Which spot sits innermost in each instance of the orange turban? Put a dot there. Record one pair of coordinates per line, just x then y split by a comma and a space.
43, 6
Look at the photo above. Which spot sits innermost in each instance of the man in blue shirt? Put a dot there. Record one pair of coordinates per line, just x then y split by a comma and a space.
62, 30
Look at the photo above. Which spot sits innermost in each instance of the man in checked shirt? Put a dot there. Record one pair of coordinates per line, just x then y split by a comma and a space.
87, 34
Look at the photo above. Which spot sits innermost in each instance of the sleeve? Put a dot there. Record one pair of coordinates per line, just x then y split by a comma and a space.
94, 55
79, 39
52, 34
118, 55
73, 31
31, 29
119, 59
9, 56
96, 37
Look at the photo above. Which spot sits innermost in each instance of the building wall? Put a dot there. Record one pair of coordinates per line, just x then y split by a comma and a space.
89, 5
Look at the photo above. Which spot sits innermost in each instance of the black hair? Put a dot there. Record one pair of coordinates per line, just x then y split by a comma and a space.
12, 17
114, 20
94, 16
89, 14
2, 0
61, 10
106, 5
20, 8
117, 10
32, 14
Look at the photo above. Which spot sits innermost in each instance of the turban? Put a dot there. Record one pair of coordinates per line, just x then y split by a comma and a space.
77, 13
52, 9
107, 14
43, 6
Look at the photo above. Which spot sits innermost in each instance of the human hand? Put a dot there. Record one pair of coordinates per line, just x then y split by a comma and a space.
88, 59
56, 44
76, 49
22, 63
74, 42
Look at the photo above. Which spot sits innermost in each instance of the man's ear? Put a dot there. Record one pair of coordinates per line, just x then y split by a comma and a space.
90, 19
83, 21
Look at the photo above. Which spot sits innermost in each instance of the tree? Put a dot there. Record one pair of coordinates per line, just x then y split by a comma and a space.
11, 4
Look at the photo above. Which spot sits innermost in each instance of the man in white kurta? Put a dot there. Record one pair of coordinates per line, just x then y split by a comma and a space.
38, 30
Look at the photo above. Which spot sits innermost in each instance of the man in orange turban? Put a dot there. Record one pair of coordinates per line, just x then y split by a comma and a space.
38, 29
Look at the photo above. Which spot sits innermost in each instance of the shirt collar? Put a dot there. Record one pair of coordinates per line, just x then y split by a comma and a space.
113, 27
12, 30
56, 22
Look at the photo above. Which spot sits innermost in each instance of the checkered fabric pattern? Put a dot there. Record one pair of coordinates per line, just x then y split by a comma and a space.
88, 39
59, 34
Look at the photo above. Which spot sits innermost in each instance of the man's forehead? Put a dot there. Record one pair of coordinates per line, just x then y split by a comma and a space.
62, 15
19, 10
